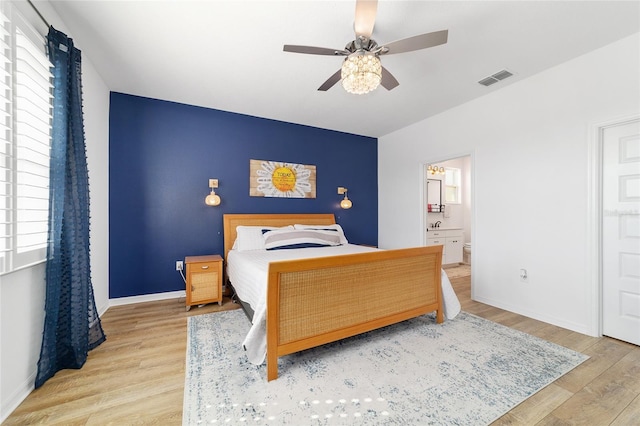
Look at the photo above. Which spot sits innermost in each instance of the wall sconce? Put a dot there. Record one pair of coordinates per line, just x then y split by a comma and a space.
212, 199
435, 170
346, 202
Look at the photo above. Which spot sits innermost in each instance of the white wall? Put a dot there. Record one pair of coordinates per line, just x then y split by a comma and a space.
21, 318
529, 143
96, 122
22, 293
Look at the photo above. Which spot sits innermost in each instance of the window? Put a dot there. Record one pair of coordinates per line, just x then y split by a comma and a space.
25, 139
452, 186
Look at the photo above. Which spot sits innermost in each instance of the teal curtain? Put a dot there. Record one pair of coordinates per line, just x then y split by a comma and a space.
72, 325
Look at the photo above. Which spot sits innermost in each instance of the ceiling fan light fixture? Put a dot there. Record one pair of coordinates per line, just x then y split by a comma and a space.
361, 72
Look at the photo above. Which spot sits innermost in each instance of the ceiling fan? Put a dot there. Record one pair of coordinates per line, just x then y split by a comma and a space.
361, 70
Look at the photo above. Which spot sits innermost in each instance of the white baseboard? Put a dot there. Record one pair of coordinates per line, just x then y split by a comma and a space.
15, 399
102, 309
549, 319
147, 298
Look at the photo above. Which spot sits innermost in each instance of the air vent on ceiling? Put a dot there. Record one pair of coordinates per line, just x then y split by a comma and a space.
492, 79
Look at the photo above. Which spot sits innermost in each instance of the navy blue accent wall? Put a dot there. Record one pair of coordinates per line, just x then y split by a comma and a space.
161, 156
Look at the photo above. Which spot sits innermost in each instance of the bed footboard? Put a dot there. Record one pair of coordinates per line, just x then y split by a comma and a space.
311, 302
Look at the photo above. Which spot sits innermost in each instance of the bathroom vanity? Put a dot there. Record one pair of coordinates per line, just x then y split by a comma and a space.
452, 240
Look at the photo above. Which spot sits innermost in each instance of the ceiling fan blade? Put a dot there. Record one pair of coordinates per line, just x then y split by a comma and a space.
331, 81
312, 50
365, 17
418, 42
388, 81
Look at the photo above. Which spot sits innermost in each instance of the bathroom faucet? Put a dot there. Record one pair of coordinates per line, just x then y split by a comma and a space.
437, 224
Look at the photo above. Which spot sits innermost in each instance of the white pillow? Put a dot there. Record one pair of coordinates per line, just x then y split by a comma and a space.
335, 227
300, 238
250, 237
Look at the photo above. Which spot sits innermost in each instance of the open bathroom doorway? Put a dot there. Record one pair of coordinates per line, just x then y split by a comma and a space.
447, 212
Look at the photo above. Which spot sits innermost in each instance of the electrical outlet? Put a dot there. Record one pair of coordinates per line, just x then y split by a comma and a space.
179, 265
523, 275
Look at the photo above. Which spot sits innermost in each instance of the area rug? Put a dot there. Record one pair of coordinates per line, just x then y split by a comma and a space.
458, 271
466, 371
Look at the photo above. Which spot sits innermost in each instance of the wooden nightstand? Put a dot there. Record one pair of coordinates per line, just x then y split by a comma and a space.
204, 280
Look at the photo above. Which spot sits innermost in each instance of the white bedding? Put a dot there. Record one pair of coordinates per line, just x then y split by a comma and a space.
247, 271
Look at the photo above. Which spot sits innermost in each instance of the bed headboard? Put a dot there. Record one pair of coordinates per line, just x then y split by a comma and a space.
231, 221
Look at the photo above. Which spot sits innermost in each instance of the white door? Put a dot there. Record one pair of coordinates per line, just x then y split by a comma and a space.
621, 232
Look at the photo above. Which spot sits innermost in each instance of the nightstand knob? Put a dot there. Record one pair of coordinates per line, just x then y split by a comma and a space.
205, 267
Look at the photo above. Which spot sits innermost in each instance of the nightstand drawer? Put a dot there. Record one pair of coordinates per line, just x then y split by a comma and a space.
202, 266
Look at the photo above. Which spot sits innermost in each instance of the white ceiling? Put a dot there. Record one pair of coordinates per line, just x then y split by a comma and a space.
228, 55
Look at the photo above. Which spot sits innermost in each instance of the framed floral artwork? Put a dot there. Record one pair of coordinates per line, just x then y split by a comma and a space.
281, 179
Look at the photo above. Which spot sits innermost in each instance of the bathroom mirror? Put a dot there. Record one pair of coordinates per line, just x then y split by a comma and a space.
434, 193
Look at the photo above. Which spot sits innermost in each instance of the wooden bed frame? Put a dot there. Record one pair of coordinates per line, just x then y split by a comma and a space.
315, 301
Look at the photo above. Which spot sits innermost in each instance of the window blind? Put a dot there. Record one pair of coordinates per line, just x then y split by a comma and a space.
6, 148
27, 130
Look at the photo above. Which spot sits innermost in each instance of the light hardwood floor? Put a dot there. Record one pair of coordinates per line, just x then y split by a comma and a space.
137, 375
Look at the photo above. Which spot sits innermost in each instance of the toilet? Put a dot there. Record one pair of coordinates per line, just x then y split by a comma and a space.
466, 253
